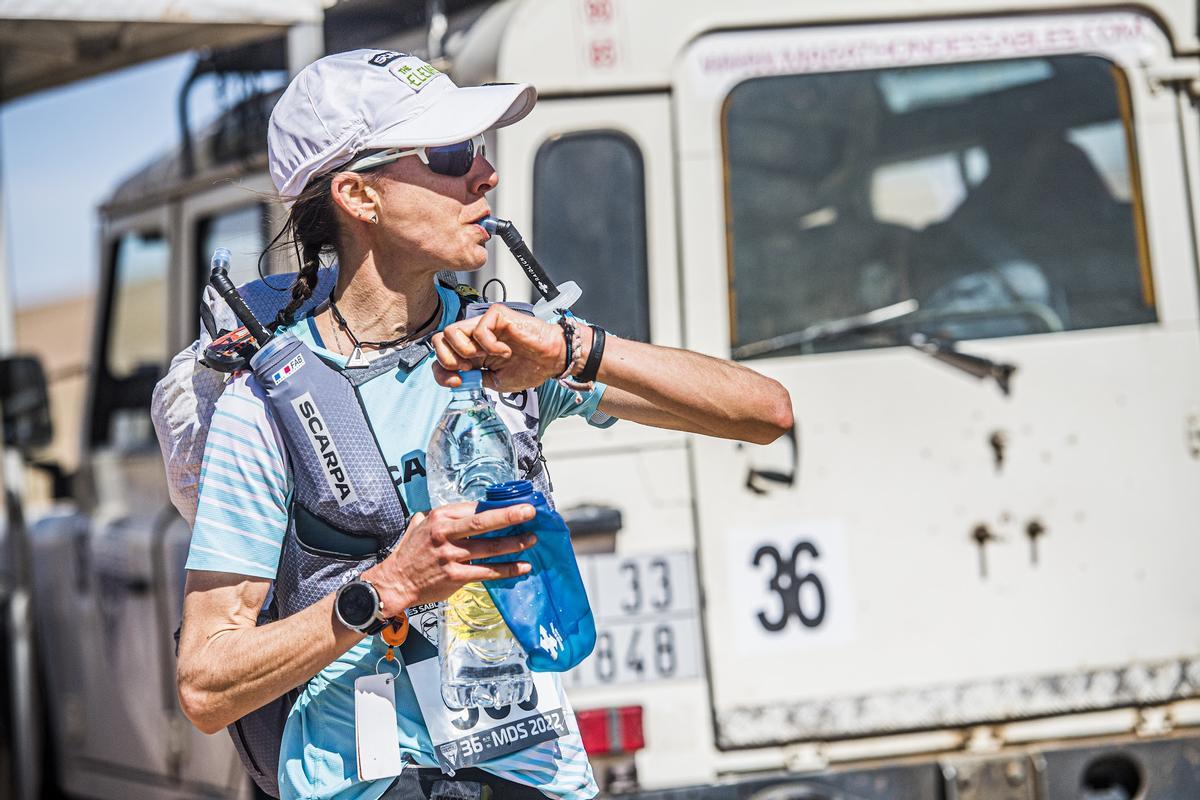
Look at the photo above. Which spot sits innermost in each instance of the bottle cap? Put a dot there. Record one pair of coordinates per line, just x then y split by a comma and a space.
509, 489
471, 379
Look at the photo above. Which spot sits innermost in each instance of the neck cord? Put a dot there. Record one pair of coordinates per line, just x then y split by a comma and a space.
337, 315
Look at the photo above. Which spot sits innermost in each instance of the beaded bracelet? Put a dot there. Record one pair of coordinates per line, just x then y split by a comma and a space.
575, 358
569, 334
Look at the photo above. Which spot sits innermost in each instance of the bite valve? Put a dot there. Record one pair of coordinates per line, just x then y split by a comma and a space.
555, 298
218, 278
221, 259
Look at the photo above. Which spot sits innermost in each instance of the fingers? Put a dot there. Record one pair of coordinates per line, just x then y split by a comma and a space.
433, 558
500, 546
493, 572
462, 344
471, 340
447, 356
484, 333
445, 377
493, 520
458, 510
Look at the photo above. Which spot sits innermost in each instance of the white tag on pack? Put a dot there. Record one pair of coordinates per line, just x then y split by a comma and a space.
377, 740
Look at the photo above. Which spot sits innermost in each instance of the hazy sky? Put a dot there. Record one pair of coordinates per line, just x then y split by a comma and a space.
63, 151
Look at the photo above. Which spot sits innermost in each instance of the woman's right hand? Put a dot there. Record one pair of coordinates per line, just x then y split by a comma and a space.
431, 560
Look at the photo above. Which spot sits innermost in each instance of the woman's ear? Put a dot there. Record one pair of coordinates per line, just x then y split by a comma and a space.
355, 197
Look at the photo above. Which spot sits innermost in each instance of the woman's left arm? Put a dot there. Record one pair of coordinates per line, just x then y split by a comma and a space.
660, 386
678, 389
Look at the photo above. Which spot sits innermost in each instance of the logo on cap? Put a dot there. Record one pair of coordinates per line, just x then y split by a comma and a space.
415, 77
385, 58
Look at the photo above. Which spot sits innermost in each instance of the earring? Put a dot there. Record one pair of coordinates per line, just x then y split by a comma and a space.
374, 219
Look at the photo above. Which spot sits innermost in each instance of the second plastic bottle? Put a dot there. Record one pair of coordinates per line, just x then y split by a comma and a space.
470, 450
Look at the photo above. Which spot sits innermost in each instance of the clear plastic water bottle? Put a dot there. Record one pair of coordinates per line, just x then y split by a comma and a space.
471, 449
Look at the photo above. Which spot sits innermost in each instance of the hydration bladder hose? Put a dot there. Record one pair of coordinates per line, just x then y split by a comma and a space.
231, 351
555, 299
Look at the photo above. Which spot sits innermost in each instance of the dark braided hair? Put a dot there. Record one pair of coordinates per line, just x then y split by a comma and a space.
311, 228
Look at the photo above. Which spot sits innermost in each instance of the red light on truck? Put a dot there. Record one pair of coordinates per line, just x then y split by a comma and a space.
630, 724
593, 728
609, 731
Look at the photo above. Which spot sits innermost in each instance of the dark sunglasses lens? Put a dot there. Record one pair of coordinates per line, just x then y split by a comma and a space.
452, 159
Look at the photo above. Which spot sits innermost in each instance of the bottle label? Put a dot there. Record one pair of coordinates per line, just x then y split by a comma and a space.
465, 737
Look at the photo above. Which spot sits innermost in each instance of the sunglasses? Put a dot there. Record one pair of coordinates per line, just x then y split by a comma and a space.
454, 160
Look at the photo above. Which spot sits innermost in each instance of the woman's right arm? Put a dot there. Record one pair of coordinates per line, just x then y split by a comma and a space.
228, 666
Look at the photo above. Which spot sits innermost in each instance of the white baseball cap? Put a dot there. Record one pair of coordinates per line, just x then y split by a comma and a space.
344, 104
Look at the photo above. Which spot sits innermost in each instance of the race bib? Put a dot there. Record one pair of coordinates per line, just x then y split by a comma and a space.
467, 737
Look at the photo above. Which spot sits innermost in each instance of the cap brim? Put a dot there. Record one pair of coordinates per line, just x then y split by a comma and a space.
459, 113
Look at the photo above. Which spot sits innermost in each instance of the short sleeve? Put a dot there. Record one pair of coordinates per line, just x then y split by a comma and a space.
241, 516
556, 401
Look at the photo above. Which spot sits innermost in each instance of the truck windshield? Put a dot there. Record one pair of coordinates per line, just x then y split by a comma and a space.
1000, 196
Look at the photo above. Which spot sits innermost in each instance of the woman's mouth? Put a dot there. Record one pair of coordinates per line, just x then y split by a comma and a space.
480, 224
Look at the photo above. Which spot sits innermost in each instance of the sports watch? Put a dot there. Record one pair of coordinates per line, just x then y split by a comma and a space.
359, 608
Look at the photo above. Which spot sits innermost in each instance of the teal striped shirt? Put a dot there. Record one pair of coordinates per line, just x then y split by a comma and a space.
241, 520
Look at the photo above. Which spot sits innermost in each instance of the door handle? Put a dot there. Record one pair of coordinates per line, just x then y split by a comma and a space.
755, 478
589, 519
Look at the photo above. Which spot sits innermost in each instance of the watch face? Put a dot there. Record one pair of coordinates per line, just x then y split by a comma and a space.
356, 605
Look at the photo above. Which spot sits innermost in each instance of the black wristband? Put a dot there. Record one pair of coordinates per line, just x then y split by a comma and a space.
592, 366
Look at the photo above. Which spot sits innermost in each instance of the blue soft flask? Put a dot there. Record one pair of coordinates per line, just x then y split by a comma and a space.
546, 610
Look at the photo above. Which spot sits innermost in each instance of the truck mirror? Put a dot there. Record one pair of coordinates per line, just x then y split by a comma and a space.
24, 403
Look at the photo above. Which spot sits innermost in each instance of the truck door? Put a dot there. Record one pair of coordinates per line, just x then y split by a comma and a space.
930, 551
108, 667
590, 182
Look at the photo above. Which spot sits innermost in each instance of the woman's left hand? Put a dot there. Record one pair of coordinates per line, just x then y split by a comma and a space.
518, 351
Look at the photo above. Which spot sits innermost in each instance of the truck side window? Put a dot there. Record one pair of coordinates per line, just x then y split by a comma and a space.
1001, 196
589, 226
135, 344
240, 230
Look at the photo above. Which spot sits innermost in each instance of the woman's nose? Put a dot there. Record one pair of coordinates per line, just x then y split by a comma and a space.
482, 177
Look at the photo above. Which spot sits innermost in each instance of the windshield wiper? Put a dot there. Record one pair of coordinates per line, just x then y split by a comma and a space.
943, 350
829, 329
979, 366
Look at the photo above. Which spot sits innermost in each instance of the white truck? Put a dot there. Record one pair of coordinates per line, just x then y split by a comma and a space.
963, 233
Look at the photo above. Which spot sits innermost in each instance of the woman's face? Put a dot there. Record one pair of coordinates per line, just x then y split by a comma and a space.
429, 221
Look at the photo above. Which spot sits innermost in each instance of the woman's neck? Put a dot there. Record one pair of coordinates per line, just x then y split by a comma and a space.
381, 306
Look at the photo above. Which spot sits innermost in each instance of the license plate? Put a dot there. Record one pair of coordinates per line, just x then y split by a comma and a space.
647, 619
